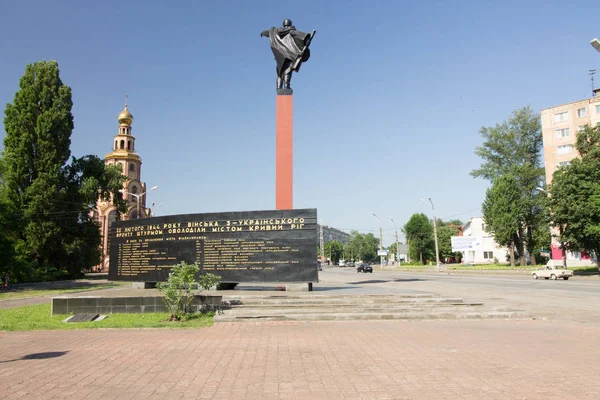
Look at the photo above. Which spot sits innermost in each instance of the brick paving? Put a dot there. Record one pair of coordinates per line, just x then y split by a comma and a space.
487, 359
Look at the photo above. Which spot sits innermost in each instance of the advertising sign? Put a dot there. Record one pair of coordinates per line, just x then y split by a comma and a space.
464, 243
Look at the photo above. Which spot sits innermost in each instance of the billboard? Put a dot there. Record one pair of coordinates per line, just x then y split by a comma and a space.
249, 246
465, 243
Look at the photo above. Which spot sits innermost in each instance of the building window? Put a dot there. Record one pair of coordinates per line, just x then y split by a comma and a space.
598, 109
131, 167
122, 144
483, 227
581, 113
564, 163
129, 145
116, 144
563, 116
488, 255
565, 149
562, 132
580, 128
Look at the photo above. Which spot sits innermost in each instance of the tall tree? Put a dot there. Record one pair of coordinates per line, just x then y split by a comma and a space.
514, 147
419, 233
575, 196
50, 200
502, 212
445, 232
362, 246
334, 250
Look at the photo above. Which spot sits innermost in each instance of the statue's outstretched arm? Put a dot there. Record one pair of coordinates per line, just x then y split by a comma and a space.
264, 33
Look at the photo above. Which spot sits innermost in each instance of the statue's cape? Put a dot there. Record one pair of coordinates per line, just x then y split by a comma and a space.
288, 44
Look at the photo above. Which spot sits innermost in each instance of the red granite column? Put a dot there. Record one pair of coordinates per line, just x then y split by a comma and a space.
284, 177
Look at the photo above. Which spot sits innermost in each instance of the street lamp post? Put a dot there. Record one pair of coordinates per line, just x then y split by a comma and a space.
397, 249
138, 197
437, 253
380, 241
153, 214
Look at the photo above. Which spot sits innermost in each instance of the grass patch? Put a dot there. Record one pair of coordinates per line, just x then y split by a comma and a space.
17, 292
38, 317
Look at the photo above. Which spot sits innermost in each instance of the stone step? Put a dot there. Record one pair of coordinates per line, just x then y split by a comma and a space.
318, 307
346, 301
353, 310
312, 295
498, 314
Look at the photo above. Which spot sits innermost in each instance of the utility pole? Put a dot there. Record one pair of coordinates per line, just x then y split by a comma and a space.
397, 249
380, 241
437, 252
321, 242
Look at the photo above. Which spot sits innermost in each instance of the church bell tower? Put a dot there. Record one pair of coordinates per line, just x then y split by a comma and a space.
134, 190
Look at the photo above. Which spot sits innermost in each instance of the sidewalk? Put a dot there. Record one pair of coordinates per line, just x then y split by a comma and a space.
486, 359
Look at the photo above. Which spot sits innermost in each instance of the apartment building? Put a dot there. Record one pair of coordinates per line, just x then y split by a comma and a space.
560, 125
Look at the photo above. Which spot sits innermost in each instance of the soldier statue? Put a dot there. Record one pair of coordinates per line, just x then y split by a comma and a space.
290, 48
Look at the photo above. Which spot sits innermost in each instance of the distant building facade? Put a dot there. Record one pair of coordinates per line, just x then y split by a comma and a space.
487, 250
330, 234
560, 125
123, 153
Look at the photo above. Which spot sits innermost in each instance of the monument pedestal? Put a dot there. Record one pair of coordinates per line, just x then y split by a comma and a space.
284, 150
299, 287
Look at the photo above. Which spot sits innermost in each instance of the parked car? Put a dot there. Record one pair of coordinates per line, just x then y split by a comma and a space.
552, 272
350, 264
364, 268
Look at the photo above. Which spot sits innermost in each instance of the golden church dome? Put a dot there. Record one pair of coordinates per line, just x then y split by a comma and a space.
125, 117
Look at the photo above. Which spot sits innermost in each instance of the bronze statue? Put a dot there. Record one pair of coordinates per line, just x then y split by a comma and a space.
290, 48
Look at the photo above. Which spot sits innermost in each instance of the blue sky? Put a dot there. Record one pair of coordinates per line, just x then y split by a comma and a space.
386, 111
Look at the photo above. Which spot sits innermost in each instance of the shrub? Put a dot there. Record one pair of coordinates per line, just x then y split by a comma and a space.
181, 287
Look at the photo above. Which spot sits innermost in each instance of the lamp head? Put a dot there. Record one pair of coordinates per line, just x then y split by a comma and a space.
595, 44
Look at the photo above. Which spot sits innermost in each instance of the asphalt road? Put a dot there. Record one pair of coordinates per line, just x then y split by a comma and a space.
577, 299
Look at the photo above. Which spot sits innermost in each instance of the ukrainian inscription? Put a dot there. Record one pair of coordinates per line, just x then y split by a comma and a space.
259, 246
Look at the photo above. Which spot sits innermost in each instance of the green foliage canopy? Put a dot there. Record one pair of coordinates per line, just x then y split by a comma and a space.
419, 233
45, 201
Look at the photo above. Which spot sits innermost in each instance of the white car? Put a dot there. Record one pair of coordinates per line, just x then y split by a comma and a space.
552, 272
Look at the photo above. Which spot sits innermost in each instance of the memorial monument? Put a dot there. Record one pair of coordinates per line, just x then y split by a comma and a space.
290, 48
248, 246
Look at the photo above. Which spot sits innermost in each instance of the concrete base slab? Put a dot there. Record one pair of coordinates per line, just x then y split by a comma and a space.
299, 287
143, 285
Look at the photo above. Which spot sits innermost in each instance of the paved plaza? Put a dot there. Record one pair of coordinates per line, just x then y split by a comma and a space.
487, 359
551, 356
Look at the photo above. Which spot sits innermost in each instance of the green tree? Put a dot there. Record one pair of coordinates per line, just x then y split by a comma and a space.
575, 196
362, 246
419, 234
514, 147
334, 250
502, 212
50, 228
445, 232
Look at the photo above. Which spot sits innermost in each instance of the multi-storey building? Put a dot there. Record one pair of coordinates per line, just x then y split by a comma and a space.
560, 125
123, 153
